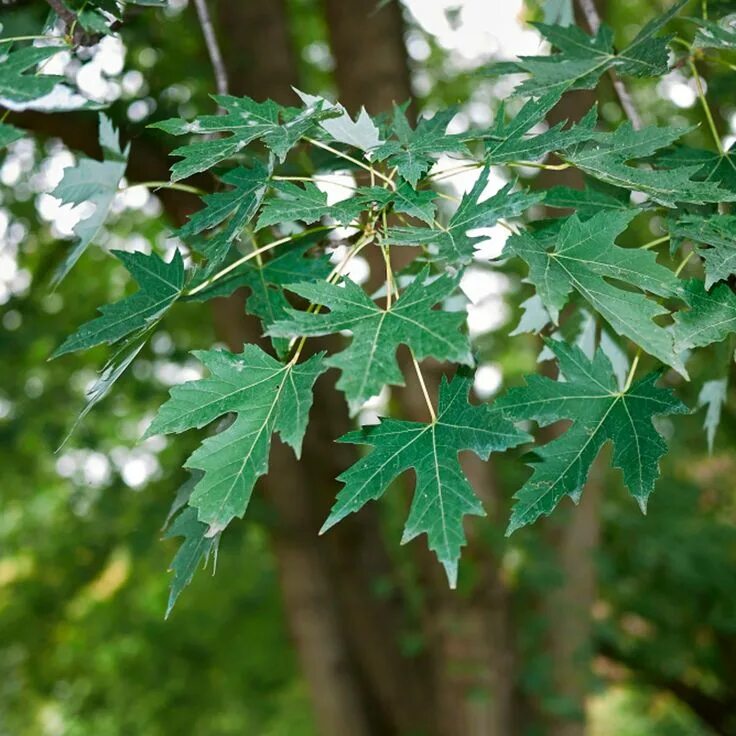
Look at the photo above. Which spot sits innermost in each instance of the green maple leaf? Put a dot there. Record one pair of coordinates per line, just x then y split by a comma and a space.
18, 86
712, 166
96, 182
237, 206
267, 396
194, 552
369, 362
716, 231
605, 157
306, 203
587, 202
600, 412
711, 35
453, 244
711, 317
267, 281
581, 59
160, 285
516, 139
280, 129
582, 258
9, 134
442, 496
404, 199
415, 151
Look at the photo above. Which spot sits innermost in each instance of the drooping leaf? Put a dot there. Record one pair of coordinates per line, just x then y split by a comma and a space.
453, 244
559, 12
716, 231
442, 496
369, 362
712, 35
713, 397
607, 155
96, 182
237, 205
534, 318
712, 166
195, 551
600, 412
416, 150
581, 59
267, 396
361, 133
160, 285
711, 317
280, 129
17, 82
582, 258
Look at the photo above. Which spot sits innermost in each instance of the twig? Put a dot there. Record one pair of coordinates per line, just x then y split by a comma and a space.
72, 27
593, 20
213, 48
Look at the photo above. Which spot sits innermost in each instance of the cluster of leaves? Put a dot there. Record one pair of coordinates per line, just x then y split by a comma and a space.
270, 227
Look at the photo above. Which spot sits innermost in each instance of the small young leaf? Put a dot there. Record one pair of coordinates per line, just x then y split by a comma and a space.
711, 317
712, 396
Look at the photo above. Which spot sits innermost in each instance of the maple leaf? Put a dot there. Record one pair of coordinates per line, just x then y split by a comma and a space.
237, 205
194, 551
711, 35
267, 396
716, 231
712, 166
711, 317
713, 396
517, 139
96, 182
18, 86
415, 151
361, 133
9, 134
442, 496
600, 412
582, 59
606, 155
306, 203
267, 281
589, 201
582, 257
160, 286
404, 199
453, 244
369, 362
280, 129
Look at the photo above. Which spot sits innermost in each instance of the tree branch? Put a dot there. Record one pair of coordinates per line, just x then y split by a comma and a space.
72, 26
213, 48
593, 19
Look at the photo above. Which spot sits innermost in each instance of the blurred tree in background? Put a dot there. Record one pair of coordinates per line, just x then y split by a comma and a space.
601, 622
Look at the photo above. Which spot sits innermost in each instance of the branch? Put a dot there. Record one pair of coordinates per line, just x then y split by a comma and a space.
213, 48
590, 12
72, 26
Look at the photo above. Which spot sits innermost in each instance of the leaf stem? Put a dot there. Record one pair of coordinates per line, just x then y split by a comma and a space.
632, 371
447, 173
13, 39
249, 256
423, 385
352, 160
706, 107
684, 263
167, 185
535, 165
317, 178
652, 243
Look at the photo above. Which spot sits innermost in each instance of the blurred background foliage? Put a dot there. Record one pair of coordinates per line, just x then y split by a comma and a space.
84, 648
